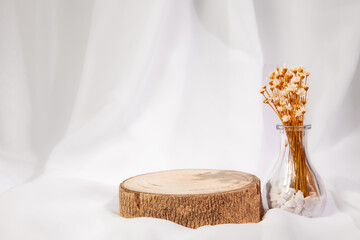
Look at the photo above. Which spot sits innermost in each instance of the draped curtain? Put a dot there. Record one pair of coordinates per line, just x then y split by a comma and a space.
93, 92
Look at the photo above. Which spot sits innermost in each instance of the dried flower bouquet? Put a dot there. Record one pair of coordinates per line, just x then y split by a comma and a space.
286, 94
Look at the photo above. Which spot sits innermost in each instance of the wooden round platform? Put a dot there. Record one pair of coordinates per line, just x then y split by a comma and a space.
193, 197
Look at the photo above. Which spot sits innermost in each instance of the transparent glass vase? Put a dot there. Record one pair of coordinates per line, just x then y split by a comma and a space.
294, 185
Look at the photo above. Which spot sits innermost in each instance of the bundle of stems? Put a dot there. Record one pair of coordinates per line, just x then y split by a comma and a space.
286, 94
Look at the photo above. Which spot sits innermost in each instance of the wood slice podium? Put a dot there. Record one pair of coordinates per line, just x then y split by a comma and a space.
193, 197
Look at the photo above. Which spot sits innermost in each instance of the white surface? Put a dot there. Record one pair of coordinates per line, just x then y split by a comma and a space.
93, 92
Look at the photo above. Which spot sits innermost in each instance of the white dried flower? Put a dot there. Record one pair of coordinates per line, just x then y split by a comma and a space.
276, 100
272, 75
285, 118
306, 87
280, 108
300, 69
288, 107
296, 80
277, 84
284, 92
292, 87
283, 101
302, 109
300, 92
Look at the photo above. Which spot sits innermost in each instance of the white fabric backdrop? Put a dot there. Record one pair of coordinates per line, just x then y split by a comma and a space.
93, 92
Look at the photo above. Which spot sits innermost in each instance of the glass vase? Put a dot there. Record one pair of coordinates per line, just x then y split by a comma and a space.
294, 185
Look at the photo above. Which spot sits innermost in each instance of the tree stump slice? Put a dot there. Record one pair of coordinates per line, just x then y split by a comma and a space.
193, 197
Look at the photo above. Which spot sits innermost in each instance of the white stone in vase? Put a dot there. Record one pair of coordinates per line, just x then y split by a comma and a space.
283, 207
274, 196
310, 203
292, 190
274, 204
306, 213
286, 195
297, 210
299, 199
290, 203
281, 201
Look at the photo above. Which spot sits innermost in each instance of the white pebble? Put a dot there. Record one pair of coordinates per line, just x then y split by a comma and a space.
281, 201
306, 213
291, 203
274, 204
299, 198
274, 196
310, 202
286, 209
297, 210
292, 190
286, 195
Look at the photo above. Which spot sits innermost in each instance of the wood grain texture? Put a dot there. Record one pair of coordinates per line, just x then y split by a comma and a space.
193, 197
